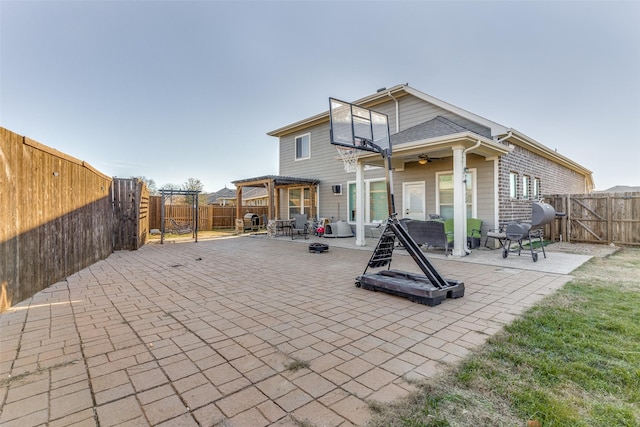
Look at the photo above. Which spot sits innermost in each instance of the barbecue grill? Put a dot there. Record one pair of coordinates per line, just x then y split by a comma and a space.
541, 214
251, 221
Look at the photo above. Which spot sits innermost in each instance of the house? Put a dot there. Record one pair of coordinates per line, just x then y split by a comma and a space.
621, 189
446, 161
227, 197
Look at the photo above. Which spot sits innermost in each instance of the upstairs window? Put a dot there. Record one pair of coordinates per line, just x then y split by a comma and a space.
513, 185
525, 187
536, 189
303, 146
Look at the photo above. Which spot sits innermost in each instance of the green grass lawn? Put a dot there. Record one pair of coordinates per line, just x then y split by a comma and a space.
572, 360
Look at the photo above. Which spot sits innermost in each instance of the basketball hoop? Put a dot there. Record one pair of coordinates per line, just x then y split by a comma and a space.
349, 157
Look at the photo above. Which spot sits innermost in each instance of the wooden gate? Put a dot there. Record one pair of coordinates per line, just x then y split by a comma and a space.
130, 199
597, 218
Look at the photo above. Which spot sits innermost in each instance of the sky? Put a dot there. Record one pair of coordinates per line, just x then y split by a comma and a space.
172, 90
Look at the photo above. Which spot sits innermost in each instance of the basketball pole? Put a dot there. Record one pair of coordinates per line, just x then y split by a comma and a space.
386, 155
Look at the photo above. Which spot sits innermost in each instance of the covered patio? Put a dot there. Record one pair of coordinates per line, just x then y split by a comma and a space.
273, 185
412, 147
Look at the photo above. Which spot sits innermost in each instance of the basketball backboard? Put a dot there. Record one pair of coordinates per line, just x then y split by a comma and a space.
357, 127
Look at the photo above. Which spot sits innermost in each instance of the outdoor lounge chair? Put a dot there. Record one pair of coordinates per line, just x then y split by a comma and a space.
499, 234
299, 226
431, 234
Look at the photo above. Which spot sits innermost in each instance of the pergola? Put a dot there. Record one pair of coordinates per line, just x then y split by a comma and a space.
273, 183
170, 193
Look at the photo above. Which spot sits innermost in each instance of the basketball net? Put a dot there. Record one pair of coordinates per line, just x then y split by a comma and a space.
349, 157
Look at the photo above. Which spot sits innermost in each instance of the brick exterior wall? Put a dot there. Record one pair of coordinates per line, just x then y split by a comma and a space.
554, 179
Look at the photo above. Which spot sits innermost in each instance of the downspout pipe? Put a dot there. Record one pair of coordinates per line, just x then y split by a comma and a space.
397, 111
463, 184
509, 135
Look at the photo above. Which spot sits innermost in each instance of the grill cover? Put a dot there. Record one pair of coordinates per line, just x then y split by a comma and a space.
541, 213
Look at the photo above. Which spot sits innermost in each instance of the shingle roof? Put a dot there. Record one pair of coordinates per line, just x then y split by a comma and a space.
438, 126
224, 193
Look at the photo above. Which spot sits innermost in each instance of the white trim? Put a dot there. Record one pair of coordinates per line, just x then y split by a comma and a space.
513, 192
423, 184
295, 146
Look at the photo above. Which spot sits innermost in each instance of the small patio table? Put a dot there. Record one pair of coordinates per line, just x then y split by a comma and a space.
283, 227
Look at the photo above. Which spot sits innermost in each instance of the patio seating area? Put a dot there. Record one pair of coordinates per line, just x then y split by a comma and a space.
212, 332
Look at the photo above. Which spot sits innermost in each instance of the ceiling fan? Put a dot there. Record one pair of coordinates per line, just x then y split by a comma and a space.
423, 159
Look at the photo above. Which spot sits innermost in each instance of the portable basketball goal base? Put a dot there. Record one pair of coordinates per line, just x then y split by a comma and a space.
355, 129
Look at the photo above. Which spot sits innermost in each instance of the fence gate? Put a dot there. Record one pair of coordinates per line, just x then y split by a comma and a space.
130, 199
597, 218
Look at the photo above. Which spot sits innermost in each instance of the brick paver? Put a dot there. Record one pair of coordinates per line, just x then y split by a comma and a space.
201, 334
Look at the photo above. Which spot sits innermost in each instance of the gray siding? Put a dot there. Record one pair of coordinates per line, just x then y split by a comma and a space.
324, 164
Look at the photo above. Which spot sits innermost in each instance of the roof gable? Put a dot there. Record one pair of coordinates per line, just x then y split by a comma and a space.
438, 126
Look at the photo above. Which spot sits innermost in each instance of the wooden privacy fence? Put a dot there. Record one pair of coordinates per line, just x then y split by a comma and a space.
59, 215
56, 217
596, 218
210, 217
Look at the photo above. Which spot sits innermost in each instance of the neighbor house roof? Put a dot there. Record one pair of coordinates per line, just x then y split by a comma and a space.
225, 193
621, 189
249, 193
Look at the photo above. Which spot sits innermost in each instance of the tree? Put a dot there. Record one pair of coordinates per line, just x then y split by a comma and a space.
151, 185
170, 186
192, 184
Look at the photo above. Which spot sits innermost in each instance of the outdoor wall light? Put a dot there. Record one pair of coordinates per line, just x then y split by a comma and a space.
56, 174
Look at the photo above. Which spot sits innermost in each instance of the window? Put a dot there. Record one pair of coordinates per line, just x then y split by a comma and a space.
513, 185
536, 189
303, 149
525, 187
299, 201
376, 202
444, 194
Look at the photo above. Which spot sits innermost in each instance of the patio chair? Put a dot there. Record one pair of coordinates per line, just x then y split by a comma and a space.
431, 234
474, 234
299, 226
499, 234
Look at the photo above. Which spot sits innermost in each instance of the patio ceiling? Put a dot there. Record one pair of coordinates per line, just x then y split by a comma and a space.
441, 146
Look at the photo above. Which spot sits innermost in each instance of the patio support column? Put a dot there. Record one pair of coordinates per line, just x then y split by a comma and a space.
239, 213
270, 200
459, 203
360, 238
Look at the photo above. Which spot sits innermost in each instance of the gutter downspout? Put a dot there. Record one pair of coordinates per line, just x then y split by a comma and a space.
463, 183
397, 111
509, 135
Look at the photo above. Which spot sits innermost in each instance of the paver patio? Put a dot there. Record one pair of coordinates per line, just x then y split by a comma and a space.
188, 334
